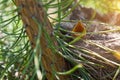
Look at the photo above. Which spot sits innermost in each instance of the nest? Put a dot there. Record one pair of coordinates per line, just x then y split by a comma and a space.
98, 51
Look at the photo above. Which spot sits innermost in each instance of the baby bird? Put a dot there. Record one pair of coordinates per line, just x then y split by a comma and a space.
74, 31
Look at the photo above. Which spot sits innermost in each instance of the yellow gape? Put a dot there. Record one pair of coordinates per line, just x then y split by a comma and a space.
79, 31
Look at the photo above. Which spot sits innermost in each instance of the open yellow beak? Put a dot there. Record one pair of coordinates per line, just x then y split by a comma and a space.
80, 32
79, 29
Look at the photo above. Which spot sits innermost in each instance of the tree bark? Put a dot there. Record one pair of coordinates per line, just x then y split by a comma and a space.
29, 9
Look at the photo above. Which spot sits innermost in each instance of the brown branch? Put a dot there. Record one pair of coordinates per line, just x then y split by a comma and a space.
29, 9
